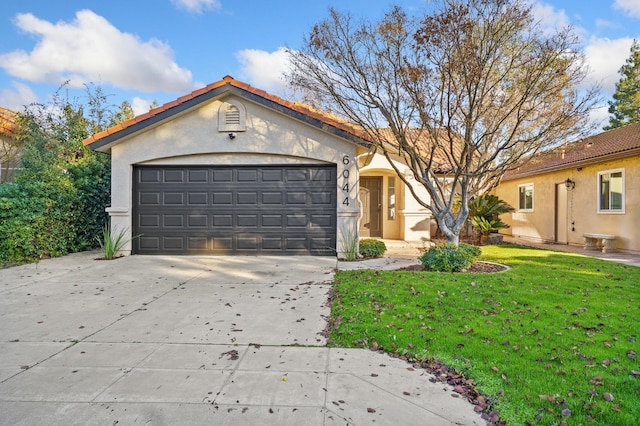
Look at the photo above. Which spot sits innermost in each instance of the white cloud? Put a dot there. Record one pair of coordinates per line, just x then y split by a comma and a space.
605, 57
90, 49
18, 97
550, 19
140, 106
197, 6
264, 70
631, 7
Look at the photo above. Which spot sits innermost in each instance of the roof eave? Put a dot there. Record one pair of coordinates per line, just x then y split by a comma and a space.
581, 163
104, 143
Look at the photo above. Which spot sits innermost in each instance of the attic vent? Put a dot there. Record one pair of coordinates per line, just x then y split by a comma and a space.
231, 117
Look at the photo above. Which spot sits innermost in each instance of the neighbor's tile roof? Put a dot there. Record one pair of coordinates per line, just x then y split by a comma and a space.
7, 121
616, 143
423, 142
323, 118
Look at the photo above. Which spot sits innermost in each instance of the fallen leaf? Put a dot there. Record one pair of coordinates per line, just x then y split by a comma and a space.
566, 412
607, 396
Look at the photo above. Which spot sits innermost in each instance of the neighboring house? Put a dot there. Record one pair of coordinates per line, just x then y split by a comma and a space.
230, 169
579, 188
9, 149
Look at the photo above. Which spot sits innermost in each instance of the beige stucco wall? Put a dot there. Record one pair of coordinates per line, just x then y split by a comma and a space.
413, 219
270, 138
582, 205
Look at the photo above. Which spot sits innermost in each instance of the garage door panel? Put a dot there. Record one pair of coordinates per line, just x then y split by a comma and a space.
173, 220
274, 198
149, 198
324, 198
247, 198
150, 176
198, 221
174, 176
198, 176
247, 175
149, 221
199, 243
198, 198
235, 209
222, 220
223, 175
296, 175
222, 198
274, 175
173, 198
296, 198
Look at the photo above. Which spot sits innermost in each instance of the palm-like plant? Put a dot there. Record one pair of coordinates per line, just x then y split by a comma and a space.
485, 211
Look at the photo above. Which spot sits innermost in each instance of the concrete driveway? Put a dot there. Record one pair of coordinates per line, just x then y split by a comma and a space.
195, 340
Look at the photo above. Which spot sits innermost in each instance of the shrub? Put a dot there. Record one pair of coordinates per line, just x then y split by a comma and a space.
484, 212
372, 248
36, 220
449, 257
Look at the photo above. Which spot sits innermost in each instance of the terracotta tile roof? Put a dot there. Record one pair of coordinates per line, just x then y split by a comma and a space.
7, 121
321, 119
423, 140
617, 143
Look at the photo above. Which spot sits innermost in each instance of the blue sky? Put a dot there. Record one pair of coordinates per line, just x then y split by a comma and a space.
158, 50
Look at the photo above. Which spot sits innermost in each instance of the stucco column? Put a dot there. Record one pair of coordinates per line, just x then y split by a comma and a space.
417, 225
347, 231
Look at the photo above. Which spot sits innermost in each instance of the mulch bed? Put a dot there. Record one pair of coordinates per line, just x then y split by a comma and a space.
476, 268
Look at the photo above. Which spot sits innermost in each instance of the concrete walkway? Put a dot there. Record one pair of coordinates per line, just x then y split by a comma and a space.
195, 340
625, 257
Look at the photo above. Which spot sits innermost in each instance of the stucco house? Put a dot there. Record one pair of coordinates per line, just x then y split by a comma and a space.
584, 187
231, 169
9, 149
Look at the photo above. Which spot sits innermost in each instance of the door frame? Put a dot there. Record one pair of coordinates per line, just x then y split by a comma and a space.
375, 208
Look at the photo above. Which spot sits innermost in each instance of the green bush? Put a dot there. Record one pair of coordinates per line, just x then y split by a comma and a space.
37, 220
372, 248
449, 257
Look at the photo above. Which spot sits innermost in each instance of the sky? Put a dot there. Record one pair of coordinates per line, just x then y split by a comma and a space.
143, 51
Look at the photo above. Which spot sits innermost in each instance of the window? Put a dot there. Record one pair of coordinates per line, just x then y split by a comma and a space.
611, 191
391, 200
525, 197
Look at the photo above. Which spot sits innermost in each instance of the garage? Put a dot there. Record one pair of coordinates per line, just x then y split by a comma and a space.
241, 210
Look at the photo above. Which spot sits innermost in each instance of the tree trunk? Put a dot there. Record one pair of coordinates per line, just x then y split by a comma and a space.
451, 225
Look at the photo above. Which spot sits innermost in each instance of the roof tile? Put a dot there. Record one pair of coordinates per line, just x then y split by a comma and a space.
298, 107
588, 150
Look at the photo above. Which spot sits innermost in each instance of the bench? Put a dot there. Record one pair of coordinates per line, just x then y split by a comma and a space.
605, 242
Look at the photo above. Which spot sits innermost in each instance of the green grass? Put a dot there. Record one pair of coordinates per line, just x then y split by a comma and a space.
549, 341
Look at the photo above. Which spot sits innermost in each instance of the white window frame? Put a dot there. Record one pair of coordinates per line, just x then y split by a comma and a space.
598, 189
525, 186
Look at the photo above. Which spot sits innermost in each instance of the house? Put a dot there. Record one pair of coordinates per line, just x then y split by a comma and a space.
231, 169
584, 187
9, 149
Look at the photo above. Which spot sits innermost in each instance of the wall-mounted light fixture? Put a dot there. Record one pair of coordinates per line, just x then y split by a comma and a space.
232, 136
570, 184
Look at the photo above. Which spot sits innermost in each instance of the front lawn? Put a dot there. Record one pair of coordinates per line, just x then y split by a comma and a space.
553, 340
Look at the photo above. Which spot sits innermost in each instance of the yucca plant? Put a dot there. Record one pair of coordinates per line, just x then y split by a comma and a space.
112, 243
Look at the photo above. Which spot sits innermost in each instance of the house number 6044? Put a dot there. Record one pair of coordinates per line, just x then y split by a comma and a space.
345, 176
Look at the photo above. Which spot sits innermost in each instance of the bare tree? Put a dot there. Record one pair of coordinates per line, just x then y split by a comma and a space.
461, 94
10, 143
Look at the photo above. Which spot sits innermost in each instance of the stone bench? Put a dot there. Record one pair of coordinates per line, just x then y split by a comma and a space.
608, 243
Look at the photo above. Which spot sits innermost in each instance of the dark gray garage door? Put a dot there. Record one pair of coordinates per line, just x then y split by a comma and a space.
267, 210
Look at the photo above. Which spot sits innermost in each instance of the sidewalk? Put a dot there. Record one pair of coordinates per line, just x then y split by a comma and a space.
620, 256
403, 253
